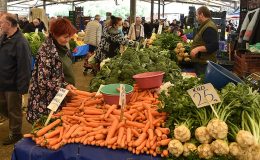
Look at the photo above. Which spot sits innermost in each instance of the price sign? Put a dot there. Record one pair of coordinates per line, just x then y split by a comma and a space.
122, 96
160, 29
204, 95
122, 100
36, 30
56, 101
99, 89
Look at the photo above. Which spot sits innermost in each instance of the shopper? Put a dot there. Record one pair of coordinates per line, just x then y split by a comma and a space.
53, 69
136, 31
15, 71
23, 22
41, 26
205, 42
32, 26
182, 35
111, 40
148, 29
93, 36
126, 28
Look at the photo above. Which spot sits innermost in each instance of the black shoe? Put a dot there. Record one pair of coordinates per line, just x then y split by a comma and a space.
11, 139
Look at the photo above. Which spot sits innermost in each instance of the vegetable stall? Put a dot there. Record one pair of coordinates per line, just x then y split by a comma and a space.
158, 122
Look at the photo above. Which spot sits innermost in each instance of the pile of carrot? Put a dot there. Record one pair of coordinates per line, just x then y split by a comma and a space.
88, 120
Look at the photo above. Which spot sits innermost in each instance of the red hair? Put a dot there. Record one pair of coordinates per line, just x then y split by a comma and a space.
62, 26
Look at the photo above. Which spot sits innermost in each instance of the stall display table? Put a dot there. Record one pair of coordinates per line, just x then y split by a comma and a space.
26, 149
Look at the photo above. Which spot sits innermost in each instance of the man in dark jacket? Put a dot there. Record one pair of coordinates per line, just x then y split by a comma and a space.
205, 42
30, 27
15, 71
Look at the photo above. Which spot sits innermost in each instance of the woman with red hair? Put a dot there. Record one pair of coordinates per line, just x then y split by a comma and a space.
52, 70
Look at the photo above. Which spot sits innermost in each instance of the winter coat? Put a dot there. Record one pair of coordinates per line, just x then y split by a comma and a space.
47, 79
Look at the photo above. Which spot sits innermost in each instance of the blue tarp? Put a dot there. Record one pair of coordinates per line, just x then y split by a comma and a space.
81, 50
26, 149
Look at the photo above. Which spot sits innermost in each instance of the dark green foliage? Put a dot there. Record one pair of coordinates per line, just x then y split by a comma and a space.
121, 69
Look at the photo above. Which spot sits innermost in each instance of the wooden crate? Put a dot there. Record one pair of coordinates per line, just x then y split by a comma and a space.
245, 64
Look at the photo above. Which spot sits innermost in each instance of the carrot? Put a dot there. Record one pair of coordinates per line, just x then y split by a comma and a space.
142, 145
92, 112
159, 139
70, 131
150, 133
120, 135
152, 142
99, 136
147, 125
28, 135
92, 102
118, 112
135, 124
164, 130
134, 131
158, 132
134, 116
112, 129
83, 93
110, 110
69, 108
53, 133
164, 136
123, 143
147, 145
164, 142
92, 124
48, 127
111, 141
134, 97
165, 153
158, 120
65, 112
140, 139
142, 115
128, 135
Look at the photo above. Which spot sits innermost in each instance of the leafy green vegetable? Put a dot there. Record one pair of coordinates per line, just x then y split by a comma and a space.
35, 41
121, 69
167, 41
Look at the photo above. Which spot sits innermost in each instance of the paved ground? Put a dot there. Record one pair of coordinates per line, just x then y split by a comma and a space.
82, 83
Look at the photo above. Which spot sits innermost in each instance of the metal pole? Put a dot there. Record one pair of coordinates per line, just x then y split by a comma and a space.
132, 11
3, 5
163, 8
159, 7
152, 7
44, 4
73, 6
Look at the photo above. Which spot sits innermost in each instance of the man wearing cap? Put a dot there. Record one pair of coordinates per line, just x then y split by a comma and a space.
15, 71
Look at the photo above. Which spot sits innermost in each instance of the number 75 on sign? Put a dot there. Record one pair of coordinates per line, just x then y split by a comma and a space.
204, 95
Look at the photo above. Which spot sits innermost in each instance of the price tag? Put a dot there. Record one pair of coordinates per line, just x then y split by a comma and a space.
99, 89
204, 95
219, 30
122, 96
36, 30
122, 100
56, 101
160, 29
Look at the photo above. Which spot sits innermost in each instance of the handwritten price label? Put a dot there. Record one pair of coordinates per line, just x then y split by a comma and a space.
56, 101
122, 96
204, 95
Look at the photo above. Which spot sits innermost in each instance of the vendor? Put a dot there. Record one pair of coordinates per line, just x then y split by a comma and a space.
205, 43
52, 71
